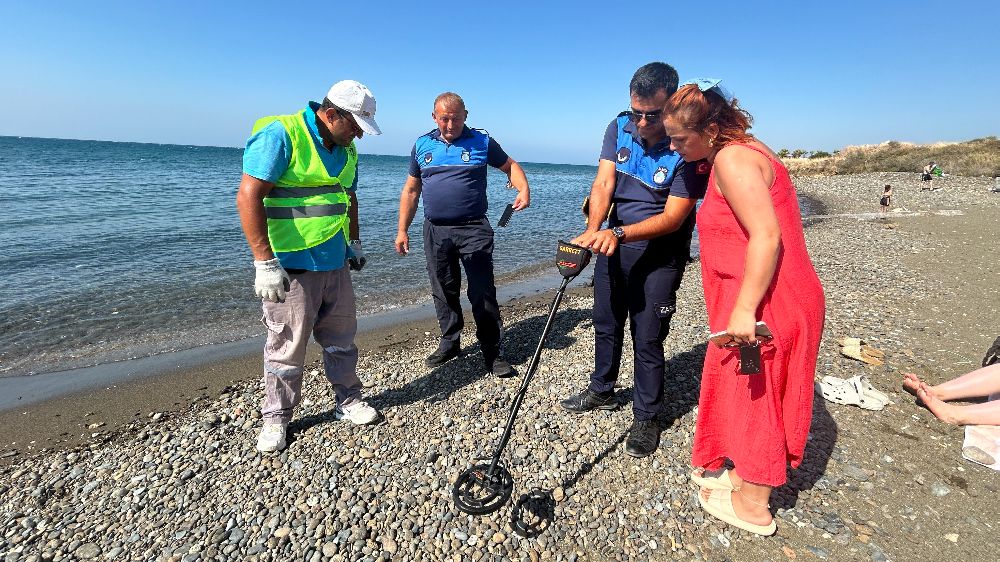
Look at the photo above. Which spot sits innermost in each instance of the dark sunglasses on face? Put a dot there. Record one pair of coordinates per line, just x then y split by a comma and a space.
639, 115
349, 116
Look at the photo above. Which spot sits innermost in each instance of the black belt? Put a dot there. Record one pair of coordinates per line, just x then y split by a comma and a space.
459, 222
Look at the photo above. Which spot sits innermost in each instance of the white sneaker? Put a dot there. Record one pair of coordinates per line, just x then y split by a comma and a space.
357, 412
272, 437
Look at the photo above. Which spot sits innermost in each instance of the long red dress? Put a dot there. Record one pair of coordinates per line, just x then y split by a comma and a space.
759, 421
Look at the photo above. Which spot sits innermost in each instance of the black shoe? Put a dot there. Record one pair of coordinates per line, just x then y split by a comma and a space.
442, 356
643, 438
589, 400
501, 368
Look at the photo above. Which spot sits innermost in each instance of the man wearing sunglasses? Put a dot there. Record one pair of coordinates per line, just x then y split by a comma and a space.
299, 213
647, 193
448, 169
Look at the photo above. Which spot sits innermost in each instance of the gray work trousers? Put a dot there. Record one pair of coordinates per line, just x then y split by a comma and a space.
320, 303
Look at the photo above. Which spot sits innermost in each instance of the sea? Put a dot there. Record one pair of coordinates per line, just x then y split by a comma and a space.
115, 250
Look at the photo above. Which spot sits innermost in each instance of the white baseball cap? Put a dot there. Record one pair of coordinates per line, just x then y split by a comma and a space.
355, 98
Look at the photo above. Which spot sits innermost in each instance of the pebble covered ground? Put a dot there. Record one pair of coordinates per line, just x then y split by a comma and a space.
875, 485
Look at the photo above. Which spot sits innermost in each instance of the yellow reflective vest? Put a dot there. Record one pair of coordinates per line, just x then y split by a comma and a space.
307, 206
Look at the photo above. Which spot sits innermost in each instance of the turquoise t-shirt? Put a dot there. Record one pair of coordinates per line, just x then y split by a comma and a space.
266, 157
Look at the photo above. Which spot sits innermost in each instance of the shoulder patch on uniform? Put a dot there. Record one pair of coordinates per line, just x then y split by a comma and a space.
660, 175
702, 168
623, 154
428, 157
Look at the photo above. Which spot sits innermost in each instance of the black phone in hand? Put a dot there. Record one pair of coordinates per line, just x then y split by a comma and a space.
505, 217
749, 359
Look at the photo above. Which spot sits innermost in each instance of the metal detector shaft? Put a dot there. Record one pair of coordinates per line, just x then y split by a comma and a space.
527, 377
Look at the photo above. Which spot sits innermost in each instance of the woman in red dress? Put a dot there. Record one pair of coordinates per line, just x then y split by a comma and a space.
755, 267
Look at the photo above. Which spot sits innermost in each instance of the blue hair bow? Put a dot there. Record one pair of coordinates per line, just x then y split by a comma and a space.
713, 85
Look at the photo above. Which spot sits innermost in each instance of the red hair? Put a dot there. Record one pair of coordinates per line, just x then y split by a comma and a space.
696, 110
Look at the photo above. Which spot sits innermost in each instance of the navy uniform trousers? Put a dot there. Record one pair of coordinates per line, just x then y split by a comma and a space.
640, 284
471, 245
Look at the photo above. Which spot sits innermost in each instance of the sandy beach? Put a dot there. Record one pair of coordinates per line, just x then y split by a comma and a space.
164, 467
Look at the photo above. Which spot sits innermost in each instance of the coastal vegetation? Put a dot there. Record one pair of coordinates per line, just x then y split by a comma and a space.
977, 157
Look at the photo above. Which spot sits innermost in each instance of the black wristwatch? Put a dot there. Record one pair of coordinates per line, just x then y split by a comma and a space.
619, 233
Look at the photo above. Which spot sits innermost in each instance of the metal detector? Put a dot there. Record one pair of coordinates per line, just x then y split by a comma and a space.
487, 486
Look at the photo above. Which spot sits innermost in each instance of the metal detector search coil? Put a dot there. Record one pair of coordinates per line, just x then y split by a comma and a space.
486, 486
483, 489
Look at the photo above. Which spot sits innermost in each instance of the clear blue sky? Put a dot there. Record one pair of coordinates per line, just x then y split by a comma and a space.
544, 78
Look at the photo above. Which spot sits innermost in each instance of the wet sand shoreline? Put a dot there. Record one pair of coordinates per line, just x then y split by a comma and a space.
58, 409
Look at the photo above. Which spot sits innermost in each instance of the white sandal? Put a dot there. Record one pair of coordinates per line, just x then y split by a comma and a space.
851, 392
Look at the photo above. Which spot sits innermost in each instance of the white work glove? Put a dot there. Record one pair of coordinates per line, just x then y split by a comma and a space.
272, 281
358, 260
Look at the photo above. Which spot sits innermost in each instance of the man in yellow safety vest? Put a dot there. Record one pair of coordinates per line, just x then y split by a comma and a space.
299, 213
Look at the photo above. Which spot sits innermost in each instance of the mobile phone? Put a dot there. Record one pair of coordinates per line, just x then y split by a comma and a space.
720, 338
749, 359
505, 217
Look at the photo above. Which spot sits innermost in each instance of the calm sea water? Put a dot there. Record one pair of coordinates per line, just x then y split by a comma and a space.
116, 250
120, 250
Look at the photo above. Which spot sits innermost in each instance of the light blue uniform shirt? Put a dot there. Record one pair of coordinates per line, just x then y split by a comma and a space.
267, 156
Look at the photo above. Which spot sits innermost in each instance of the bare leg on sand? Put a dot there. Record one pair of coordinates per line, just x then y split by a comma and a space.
987, 413
977, 384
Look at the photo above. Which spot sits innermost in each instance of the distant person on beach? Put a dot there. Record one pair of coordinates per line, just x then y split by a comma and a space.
448, 169
299, 212
886, 198
981, 383
641, 254
927, 175
756, 397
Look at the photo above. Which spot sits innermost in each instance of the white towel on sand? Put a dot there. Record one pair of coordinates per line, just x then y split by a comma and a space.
982, 443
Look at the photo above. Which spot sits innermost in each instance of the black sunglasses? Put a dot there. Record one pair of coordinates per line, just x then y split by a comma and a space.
639, 115
349, 116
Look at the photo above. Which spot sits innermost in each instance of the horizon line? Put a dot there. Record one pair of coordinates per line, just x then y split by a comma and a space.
241, 148
929, 144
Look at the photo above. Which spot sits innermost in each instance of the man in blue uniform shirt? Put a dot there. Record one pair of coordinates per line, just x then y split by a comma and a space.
448, 168
647, 194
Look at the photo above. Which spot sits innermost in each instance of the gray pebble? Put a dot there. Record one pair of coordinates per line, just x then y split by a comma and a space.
939, 490
856, 473
821, 553
87, 551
